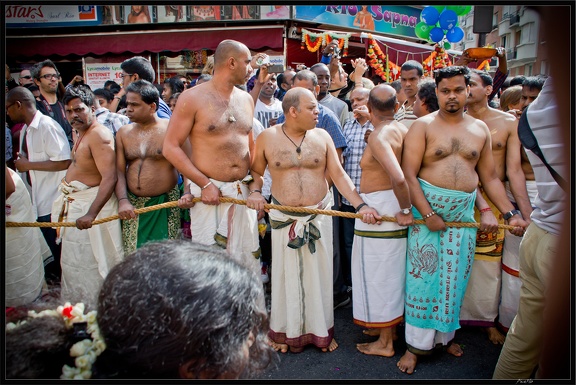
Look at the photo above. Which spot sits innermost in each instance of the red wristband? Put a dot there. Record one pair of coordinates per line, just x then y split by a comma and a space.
485, 210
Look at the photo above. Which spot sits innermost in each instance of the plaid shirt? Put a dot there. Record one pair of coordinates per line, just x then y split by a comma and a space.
111, 120
328, 121
354, 133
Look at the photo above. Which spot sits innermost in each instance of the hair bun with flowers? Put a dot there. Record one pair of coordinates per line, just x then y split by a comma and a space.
86, 351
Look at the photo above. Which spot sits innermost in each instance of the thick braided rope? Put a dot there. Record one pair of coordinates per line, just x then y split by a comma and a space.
241, 202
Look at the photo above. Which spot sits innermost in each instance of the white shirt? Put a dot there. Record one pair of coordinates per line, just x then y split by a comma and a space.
46, 140
264, 112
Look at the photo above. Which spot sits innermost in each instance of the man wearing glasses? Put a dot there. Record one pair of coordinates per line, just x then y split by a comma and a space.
25, 78
46, 77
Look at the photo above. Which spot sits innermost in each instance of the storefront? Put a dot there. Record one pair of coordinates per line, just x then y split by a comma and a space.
94, 40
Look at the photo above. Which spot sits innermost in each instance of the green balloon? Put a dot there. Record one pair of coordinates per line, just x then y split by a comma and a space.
422, 30
460, 10
440, 8
447, 45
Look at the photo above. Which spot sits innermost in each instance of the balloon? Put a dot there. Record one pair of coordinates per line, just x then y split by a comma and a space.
454, 35
422, 30
440, 8
436, 34
447, 45
448, 19
429, 15
461, 10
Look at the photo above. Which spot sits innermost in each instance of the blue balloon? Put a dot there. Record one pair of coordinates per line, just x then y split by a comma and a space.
430, 15
436, 34
448, 19
454, 35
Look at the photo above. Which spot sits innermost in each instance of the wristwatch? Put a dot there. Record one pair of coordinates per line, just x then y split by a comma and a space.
406, 211
510, 214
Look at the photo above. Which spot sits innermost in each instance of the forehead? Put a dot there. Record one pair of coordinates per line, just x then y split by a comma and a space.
76, 103
358, 94
454, 81
530, 91
304, 83
321, 70
307, 97
133, 96
474, 77
409, 74
47, 69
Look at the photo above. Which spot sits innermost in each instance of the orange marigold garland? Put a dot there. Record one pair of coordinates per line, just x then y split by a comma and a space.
312, 41
437, 59
377, 60
342, 41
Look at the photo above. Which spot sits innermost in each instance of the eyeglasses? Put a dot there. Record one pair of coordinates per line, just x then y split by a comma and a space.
124, 75
26, 77
51, 76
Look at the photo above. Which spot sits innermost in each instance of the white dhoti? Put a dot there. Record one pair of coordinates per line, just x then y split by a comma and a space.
379, 265
26, 249
302, 302
480, 305
230, 226
510, 292
87, 255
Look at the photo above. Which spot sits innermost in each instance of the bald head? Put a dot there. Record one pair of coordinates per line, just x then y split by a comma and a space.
292, 98
360, 92
382, 98
226, 49
22, 95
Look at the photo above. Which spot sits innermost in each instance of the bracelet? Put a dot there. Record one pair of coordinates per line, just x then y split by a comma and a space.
360, 206
116, 97
253, 191
207, 184
358, 84
485, 210
122, 198
431, 213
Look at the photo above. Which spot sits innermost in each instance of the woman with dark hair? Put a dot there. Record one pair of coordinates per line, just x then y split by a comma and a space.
172, 309
172, 86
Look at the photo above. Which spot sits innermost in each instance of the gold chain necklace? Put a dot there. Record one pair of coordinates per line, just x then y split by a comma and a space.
298, 147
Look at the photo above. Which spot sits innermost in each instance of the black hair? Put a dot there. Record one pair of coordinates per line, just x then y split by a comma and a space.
427, 94
106, 94
484, 76
450, 72
37, 68
141, 66
412, 65
175, 83
147, 91
534, 82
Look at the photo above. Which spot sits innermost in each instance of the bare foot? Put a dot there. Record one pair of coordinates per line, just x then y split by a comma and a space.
332, 347
495, 336
372, 332
455, 350
376, 348
407, 363
283, 348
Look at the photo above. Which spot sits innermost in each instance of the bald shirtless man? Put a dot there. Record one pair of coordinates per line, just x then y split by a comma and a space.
216, 118
87, 194
298, 156
379, 252
480, 305
145, 177
445, 154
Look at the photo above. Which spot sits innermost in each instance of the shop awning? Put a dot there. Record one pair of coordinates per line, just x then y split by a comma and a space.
255, 38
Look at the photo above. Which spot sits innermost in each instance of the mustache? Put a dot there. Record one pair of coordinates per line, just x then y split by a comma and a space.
76, 121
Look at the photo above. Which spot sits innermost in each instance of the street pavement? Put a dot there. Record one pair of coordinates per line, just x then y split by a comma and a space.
347, 363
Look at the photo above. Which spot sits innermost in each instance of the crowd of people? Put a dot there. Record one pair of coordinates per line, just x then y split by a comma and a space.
441, 150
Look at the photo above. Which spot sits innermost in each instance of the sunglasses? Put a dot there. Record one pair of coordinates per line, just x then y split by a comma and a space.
26, 77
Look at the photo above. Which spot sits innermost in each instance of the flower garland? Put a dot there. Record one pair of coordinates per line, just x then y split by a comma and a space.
313, 41
377, 60
85, 351
437, 59
485, 65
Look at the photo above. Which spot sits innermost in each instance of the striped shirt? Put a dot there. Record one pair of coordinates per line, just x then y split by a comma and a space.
354, 133
550, 202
